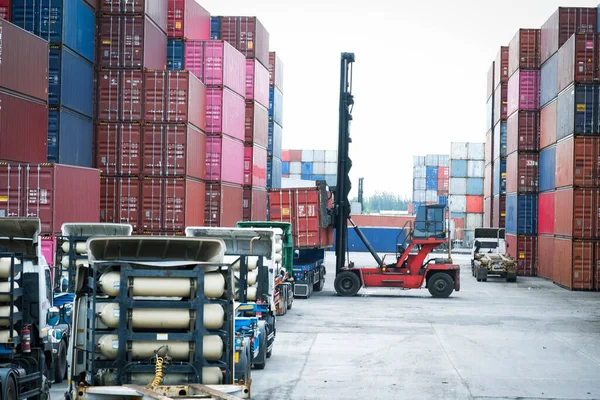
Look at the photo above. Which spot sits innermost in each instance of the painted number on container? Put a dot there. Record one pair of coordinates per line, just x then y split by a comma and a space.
304, 211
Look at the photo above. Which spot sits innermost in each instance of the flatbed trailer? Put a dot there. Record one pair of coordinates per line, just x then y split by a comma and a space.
178, 392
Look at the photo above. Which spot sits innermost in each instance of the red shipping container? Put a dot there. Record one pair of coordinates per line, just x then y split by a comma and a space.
459, 228
546, 256
524, 50
255, 204
23, 129
5, 9
488, 183
154, 98
183, 204
563, 24
487, 212
302, 208
524, 91
118, 148
46, 191
248, 35
524, 250
522, 131
548, 125
225, 113
285, 155
522, 172
577, 162
131, 42
578, 61
156, 10
501, 67
576, 213
257, 82
443, 185
224, 160
499, 211
444, 173
295, 155
186, 99
257, 124
275, 71
217, 63
501, 103
475, 204
188, 20
119, 95
255, 166
574, 263
151, 202
120, 200
546, 213
24, 62
223, 205
597, 268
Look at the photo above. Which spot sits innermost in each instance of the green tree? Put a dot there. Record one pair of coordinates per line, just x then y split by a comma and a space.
385, 201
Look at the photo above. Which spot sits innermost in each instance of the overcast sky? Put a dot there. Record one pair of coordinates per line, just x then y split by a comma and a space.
419, 78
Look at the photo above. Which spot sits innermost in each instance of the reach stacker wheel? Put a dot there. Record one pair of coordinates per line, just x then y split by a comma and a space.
347, 284
440, 285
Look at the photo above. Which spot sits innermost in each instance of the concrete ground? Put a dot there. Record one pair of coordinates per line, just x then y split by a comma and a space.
491, 340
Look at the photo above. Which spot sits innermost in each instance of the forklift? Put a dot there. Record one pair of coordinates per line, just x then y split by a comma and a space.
411, 266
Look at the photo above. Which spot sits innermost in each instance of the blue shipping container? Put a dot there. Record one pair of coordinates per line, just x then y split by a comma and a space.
416, 206
577, 111
273, 172
383, 240
306, 177
521, 214
500, 140
285, 167
431, 184
547, 168
549, 82
475, 186
431, 172
275, 140
458, 168
70, 22
307, 168
70, 81
443, 200
276, 106
318, 177
215, 28
459, 215
499, 178
69, 138
175, 55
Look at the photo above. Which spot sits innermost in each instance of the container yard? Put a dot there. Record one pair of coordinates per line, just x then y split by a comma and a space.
186, 234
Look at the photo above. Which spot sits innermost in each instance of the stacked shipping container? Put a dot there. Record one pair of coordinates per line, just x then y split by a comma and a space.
310, 165
431, 180
498, 170
274, 148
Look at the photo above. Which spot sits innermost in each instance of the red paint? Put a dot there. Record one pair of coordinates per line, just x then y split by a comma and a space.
563, 24
275, 71
156, 10
548, 125
524, 250
154, 98
487, 212
188, 20
186, 99
499, 211
23, 129
459, 228
225, 113
285, 155
443, 185
522, 131
120, 200
257, 82
522, 171
576, 213
501, 67
577, 162
301, 208
546, 256
501, 103
119, 95
254, 205
118, 148
475, 204
255, 166
24, 62
223, 205
546, 213
524, 91
488, 182
48, 245
574, 263
578, 60
183, 204
524, 50
443, 173
295, 155
224, 160
5, 9
248, 35
257, 124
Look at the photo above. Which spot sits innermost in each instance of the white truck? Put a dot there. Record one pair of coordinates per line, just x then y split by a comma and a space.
489, 256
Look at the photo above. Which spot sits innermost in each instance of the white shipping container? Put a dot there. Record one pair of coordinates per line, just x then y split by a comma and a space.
457, 203
287, 183
319, 168
458, 186
319, 156
468, 238
297, 177
475, 169
418, 161
419, 184
431, 160
308, 156
476, 151
431, 196
295, 168
459, 151
355, 208
331, 168
331, 180
474, 221
331, 156
420, 172
419, 196
444, 161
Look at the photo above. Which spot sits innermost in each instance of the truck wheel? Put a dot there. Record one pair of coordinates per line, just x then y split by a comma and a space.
11, 389
440, 285
511, 277
476, 275
347, 284
262, 352
60, 369
317, 287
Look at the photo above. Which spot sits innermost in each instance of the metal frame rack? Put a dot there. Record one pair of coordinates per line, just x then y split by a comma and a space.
16, 299
73, 258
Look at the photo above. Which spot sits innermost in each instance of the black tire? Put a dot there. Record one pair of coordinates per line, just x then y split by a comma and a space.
263, 349
290, 297
317, 287
60, 369
11, 389
511, 278
440, 285
347, 284
476, 275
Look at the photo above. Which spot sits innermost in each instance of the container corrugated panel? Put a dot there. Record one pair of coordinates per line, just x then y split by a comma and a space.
276, 106
307, 168
420, 184
274, 145
23, 129
475, 186
545, 256
285, 167
156, 10
274, 172
522, 172
420, 172
118, 148
577, 111
225, 113
500, 139
523, 130
248, 35
499, 178
500, 103
187, 19
444, 160
254, 206
458, 203
5, 9
576, 213
431, 172
382, 239
431, 196
458, 186
501, 67
458, 168
256, 124
215, 28
499, 211
70, 137
524, 250
419, 196
546, 213
488, 181
577, 162
223, 205
521, 214
255, 166
475, 169
275, 71
578, 60
432, 160
257, 82
549, 80
524, 91
70, 81
563, 24
547, 168
548, 124
418, 161
474, 206
574, 263
175, 54
524, 50
120, 94
224, 160
308, 155
443, 200
476, 151
431, 184
295, 167
459, 151
474, 220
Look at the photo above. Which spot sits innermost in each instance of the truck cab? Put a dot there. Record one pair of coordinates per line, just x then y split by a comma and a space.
488, 255
488, 241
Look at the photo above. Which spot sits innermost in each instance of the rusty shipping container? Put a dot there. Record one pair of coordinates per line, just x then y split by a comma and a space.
47, 191
501, 103
257, 124
254, 205
501, 67
578, 61
577, 162
574, 263
188, 20
524, 51
276, 71
248, 35
563, 24
119, 95
119, 148
223, 205
499, 211
546, 256
576, 213
120, 200
548, 125
155, 10
522, 131
524, 250
522, 172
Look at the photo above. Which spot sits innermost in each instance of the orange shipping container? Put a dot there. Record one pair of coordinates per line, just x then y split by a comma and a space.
546, 256
574, 263
459, 227
223, 205
475, 204
577, 162
576, 213
548, 125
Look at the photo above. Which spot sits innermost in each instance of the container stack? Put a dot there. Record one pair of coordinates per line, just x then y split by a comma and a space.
467, 164
488, 186
69, 28
5, 9
431, 180
274, 147
310, 165
498, 178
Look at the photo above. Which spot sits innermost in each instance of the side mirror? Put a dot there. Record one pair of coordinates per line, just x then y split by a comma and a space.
53, 318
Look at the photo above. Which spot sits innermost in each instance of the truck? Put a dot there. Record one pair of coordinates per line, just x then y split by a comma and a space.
489, 257
155, 318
